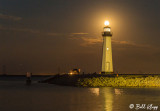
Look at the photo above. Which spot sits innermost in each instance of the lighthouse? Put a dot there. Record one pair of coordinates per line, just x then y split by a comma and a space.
107, 64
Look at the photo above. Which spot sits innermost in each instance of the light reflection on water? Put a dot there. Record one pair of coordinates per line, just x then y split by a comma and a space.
119, 99
16, 96
108, 96
108, 99
94, 91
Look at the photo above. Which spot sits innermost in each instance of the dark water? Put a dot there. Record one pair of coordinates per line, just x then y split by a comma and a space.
16, 96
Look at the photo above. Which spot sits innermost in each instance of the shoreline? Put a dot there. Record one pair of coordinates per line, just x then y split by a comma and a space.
111, 80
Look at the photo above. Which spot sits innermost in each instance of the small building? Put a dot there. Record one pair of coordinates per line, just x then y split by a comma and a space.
75, 71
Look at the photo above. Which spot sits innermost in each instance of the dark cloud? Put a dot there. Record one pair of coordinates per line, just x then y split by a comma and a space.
19, 29
9, 17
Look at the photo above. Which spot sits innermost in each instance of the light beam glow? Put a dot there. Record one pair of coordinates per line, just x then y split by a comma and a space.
106, 23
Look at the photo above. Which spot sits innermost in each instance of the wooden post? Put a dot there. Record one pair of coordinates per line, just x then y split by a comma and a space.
28, 80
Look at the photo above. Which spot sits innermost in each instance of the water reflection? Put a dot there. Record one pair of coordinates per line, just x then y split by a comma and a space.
95, 91
118, 91
107, 95
108, 98
48, 97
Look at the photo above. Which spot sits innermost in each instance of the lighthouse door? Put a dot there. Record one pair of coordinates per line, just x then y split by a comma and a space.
107, 66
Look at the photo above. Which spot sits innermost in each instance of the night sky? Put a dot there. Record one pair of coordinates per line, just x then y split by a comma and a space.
51, 36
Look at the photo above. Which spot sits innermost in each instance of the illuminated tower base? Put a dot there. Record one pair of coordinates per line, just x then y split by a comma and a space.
107, 64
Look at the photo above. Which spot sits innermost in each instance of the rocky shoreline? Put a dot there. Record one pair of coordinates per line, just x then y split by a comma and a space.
111, 80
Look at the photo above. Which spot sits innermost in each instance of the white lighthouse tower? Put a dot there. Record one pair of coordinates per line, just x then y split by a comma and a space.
107, 64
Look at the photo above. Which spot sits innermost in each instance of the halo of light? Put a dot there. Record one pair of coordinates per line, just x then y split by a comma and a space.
106, 23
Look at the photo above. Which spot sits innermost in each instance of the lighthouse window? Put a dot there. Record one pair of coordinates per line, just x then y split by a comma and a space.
107, 29
107, 48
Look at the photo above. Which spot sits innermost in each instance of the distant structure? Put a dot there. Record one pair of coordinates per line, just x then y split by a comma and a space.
74, 71
28, 79
107, 64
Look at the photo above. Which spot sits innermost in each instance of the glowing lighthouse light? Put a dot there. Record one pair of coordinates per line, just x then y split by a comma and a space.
107, 28
106, 23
